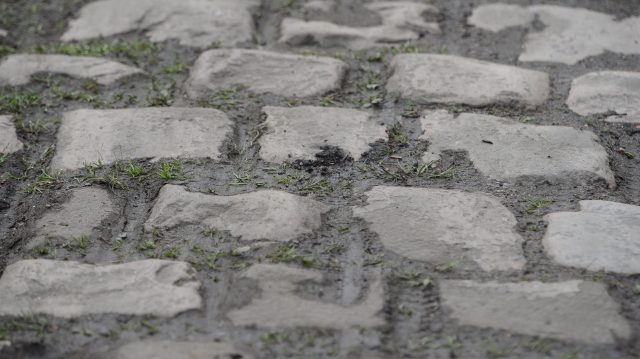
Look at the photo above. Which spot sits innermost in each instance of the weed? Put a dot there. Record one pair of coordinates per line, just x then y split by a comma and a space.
288, 253
17, 103
395, 134
171, 170
133, 170
174, 68
536, 204
172, 253
43, 181
240, 179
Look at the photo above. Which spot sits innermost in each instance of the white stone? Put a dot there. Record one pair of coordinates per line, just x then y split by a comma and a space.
516, 149
71, 289
569, 34
428, 78
3, 33
279, 305
573, 310
198, 23
158, 132
444, 226
498, 16
17, 70
83, 212
166, 349
604, 91
301, 132
401, 21
266, 214
601, 236
265, 72
9, 142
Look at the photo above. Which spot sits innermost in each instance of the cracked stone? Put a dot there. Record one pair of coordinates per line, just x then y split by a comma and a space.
166, 349
279, 305
401, 21
515, 149
87, 208
9, 142
71, 289
605, 91
569, 34
444, 226
601, 236
17, 70
264, 72
573, 310
197, 23
427, 78
302, 132
266, 214
87, 136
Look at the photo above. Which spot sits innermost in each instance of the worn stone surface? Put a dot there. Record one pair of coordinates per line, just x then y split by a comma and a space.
198, 23
573, 310
85, 210
17, 69
166, 349
601, 236
278, 305
9, 142
569, 34
71, 289
109, 135
265, 72
443, 226
427, 78
268, 214
401, 21
302, 132
3, 33
604, 91
504, 149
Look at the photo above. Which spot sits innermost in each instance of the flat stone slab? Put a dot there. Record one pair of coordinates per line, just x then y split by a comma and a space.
166, 349
9, 142
157, 132
17, 70
279, 305
401, 21
265, 72
504, 149
444, 226
85, 210
573, 310
3, 33
448, 79
302, 132
601, 236
569, 34
604, 91
198, 23
71, 289
267, 214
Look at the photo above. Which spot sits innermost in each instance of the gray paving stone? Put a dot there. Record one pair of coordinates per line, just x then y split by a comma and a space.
401, 21
17, 69
166, 349
569, 34
9, 142
267, 214
428, 78
504, 149
85, 210
265, 72
572, 310
71, 289
302, 132
278, 304
198, 23
157, 132
3, 33
601, 236
444, 226
604, 91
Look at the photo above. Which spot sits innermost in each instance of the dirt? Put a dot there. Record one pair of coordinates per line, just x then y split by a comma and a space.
424, 333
